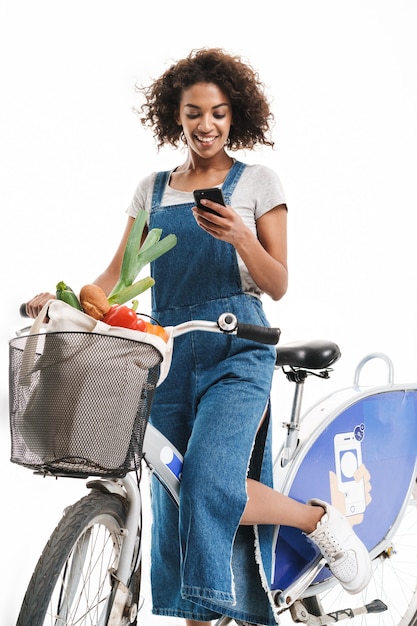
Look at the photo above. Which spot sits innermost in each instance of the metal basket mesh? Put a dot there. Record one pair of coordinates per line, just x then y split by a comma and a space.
83, 409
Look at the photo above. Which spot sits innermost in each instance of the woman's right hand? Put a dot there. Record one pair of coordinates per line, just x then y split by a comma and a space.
35, 305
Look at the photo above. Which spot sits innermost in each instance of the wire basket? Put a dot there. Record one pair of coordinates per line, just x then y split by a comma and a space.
83, 408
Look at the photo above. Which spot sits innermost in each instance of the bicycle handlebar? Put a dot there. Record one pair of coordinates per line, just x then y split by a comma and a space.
227, 323
261, 334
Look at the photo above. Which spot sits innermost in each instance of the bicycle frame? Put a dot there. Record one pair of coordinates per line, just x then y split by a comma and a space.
353, 427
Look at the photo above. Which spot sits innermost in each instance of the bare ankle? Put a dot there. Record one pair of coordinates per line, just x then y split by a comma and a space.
315, 515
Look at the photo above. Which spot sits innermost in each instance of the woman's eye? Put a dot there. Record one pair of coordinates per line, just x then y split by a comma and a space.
217, 116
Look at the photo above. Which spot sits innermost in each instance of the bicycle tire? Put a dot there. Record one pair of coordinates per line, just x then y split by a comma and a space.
72, 577
394, 580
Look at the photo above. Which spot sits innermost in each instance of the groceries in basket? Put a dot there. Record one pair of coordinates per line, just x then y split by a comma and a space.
111, 309
81, 391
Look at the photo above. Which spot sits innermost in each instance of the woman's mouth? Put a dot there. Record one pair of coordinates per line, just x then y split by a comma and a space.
206, 140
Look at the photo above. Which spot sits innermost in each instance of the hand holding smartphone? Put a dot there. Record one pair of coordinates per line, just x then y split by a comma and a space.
213, 193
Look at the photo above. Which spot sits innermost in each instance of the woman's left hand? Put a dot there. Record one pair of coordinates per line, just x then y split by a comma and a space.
263, 253
226, 225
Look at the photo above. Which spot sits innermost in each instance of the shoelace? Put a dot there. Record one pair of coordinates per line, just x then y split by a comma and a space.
328, 545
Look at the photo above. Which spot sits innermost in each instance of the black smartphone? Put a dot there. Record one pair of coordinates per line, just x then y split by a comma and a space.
213, 193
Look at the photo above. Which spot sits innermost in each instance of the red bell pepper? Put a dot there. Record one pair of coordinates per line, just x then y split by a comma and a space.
124, 316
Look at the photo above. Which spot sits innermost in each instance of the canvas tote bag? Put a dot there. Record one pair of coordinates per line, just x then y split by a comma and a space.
87, 386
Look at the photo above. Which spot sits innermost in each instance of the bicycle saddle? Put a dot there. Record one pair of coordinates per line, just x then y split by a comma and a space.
313, 355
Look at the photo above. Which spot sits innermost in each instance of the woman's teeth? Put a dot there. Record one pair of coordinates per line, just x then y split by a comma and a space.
205, 139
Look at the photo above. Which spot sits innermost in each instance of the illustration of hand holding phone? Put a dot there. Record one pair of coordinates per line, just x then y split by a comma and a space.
348, 459
213, 193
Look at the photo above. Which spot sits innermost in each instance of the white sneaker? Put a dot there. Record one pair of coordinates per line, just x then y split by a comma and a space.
346, 555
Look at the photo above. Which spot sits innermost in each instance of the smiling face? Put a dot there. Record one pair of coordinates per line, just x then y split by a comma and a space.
205, 115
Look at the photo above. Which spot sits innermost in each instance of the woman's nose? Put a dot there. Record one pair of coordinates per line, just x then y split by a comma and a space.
205, 123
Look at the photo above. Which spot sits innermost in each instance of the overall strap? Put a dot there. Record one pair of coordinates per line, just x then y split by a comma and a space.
159, 188
232, 180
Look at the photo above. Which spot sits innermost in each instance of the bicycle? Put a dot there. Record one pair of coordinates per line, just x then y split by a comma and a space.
90, 569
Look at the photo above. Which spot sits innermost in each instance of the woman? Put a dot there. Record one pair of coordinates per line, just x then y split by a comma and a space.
215, 400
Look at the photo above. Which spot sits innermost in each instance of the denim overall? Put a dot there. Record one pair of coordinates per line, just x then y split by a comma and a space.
210, 407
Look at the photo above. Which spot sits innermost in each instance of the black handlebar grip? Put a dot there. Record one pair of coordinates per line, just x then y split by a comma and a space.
22, 310
261, 334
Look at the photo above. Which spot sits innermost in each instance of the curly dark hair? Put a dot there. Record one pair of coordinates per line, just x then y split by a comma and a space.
251, 112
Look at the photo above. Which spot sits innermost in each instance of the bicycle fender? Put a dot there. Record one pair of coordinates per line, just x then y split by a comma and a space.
107, 486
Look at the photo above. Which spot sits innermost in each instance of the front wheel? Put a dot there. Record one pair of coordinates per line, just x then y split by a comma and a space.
72, 582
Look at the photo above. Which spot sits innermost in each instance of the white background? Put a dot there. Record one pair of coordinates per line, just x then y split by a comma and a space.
342, 80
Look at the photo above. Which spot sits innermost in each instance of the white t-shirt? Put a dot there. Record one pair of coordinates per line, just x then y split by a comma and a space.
258, 191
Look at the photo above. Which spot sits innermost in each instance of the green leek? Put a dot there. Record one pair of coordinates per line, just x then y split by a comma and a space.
136, 257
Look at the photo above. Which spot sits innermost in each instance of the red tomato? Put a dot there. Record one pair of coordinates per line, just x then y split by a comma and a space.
124, 316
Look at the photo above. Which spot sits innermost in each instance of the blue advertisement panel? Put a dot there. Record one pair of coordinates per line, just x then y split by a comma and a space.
362, 462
